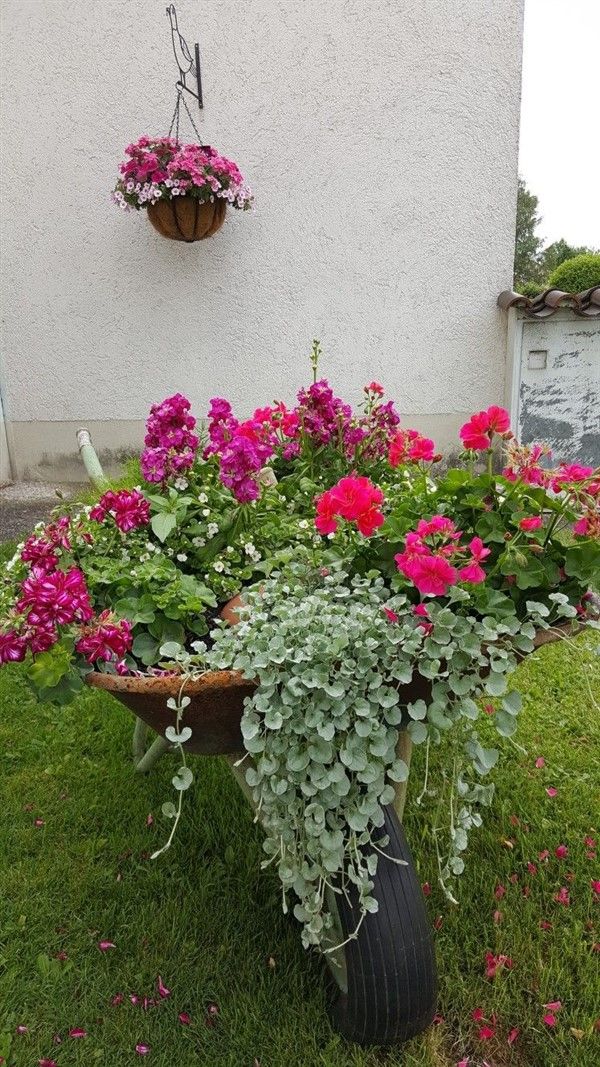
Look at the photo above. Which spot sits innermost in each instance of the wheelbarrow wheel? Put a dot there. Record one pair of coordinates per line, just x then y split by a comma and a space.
385, 977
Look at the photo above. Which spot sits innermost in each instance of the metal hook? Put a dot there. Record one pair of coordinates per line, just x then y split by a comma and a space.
189, 66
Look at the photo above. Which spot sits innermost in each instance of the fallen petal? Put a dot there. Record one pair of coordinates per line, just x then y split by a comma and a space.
162, 989
149, 819
513, 1035
477, 1014
105, 945
77, 1032
22, 1029
142, 1050
184, 1018
561, 852
549, 1019
552, 791
116, 1000
47, 1063
554, 1005
485, 1032
540, 762
39, 822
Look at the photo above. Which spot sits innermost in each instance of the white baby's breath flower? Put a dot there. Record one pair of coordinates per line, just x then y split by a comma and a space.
230, 549
181, 556
181, 483
219, 566
202, 498
303, 524
206, 512
212, 529
198, 542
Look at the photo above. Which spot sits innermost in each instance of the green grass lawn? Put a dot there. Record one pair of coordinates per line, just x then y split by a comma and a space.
75, 869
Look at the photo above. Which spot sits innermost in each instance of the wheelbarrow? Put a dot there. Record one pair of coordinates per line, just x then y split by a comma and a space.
384, 967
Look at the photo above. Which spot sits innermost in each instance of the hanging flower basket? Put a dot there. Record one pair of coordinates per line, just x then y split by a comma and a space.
184, 187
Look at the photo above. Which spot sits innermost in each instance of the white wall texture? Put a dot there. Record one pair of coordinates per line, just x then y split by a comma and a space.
380, 138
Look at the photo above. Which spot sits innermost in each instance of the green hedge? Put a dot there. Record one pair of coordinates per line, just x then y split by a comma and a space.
577, 274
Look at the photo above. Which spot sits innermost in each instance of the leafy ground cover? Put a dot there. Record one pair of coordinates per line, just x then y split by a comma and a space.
76, 832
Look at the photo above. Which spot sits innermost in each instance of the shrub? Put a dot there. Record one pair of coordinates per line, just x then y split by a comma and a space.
577, 274
531, 289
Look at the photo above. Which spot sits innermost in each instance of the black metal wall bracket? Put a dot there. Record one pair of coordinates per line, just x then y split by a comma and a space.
183, 58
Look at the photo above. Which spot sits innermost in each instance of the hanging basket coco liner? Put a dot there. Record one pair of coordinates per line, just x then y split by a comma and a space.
186, 218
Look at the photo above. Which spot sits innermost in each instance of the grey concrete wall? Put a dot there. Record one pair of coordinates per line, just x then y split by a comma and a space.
381, 142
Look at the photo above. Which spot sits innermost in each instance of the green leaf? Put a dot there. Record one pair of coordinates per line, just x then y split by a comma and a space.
49, 667
418, 710
512, 702
495, 684
145, 648
183, 779
163, 523
417, 732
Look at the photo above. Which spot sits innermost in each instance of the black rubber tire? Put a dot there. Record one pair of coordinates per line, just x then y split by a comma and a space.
391, 973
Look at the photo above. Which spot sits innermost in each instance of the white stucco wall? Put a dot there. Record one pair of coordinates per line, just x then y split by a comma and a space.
380, 137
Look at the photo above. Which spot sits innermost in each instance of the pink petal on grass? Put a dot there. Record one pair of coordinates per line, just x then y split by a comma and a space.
561, 852
463, 1063
77, 1032
116, 1000
184, 1018
551, 791
540, 762
39, 822
549, 1019
513, 1035
554, 1005
22, 1030
104, 946
149, 819
47, 1063
426, 889
545, 925
134, 998
544, 855
477, 1014
162, 989
485, 1032
595, 886
562, 897
499, 892
498, 917
142, 1050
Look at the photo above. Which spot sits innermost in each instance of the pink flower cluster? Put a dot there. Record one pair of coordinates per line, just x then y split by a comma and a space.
433, 559
478, 432
322, 416
48, 599
355, 499
170, 444
163, 168
40, 551
105, 638
244, 447
409, 446
128, 508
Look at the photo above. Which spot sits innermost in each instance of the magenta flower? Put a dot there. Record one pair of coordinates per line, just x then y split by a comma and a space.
170, 444
13, 647
128, 508
61, 597
105, 638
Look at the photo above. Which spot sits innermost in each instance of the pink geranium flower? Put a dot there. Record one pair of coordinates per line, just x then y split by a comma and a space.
477, 433
530, 524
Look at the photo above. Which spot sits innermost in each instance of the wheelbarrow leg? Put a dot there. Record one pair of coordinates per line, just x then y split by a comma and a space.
144, 759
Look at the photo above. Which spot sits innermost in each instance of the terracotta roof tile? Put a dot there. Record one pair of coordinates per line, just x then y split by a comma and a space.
586, 304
